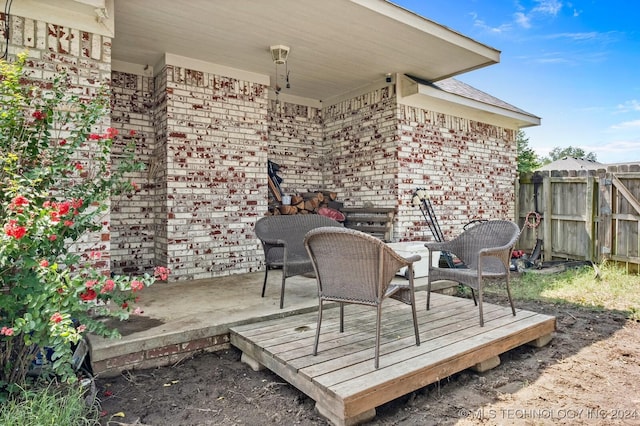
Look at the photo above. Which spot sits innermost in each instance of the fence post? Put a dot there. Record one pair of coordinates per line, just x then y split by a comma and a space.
590, 219
546, 218
605, 224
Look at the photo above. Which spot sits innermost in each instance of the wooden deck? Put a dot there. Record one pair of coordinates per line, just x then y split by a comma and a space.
342, 378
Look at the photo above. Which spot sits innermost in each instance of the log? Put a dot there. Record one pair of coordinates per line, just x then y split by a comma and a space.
330, 195
304, 203
310, 195
288, 210
311, 204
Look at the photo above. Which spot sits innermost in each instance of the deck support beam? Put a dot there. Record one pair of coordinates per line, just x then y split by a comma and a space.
541, 341
487, 364
251, 362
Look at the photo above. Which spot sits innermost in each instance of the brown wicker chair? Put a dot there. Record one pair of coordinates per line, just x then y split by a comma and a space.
282, 239
485, 249
354, 267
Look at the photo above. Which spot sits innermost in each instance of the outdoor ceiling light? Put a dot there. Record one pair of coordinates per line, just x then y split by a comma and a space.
279, 54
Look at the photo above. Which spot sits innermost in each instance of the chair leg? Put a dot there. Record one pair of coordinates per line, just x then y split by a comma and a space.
480, 305
341, 317
415, 320
513, 309
284, 277
412, 295
264, 284
473, 294
377, 351
315, 346
428, 292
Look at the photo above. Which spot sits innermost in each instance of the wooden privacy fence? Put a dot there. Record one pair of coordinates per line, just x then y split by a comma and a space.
585, 215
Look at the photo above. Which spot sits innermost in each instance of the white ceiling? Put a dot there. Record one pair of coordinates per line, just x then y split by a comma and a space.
337, 46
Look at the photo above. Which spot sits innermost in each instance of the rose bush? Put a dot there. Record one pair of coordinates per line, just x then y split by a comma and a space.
57, 182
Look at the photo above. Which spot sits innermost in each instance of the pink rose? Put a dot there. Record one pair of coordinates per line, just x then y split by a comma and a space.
56, 317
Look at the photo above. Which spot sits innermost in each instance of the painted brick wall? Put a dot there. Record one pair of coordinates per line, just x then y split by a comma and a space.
368, 149
362, 149
158, 170
216, 169
296, 144
87, 59
132, 215
468, 168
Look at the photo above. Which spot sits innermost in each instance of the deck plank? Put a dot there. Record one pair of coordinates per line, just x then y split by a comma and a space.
342, 378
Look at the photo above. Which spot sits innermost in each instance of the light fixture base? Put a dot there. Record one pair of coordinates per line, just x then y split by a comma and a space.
279, 53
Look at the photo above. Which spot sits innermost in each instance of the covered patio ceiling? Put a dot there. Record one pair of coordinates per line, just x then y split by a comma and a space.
337, 46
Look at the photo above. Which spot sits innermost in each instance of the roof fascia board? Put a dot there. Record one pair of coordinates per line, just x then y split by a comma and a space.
81, 15
398, 13
419, 95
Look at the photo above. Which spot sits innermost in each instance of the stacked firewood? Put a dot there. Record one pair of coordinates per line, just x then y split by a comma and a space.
306, 203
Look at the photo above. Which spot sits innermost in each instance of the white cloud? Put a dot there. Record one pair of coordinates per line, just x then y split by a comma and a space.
521, 17
547, 7
575, 36
616, 151
629, 106
495, 30
627, 125
549, 60
522, 20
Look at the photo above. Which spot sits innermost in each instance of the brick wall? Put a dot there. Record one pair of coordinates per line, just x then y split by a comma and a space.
468, 168
379, 152
362, 148
132, 215
296, 144
368, 149
216, 172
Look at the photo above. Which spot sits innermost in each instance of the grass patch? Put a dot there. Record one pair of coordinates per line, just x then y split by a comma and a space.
612, 288
51, 405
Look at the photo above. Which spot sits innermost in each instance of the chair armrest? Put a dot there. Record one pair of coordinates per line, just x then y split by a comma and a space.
436, 246
275, 242
413, 258
501, 253
493, 251
501, 250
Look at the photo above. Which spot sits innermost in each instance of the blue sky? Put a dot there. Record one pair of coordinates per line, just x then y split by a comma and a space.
575, 64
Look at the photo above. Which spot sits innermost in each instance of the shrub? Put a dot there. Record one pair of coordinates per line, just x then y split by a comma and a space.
57, 182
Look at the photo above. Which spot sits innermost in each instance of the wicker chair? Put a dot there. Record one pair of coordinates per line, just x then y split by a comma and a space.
354, 267
282, 239
485, 249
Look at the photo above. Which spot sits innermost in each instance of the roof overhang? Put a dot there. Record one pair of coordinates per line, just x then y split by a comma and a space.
337, 46
415, 93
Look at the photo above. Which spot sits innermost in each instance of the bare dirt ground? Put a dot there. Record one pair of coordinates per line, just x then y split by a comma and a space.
588, 374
